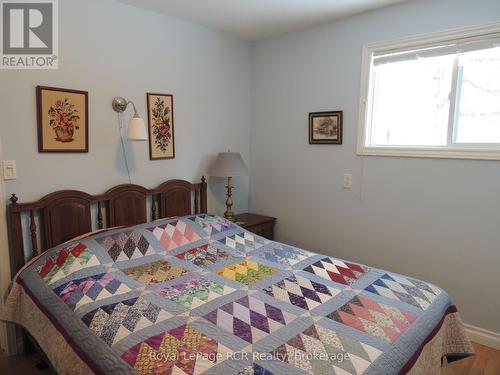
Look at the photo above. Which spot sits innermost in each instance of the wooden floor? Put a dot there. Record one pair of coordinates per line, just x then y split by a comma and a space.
22, 365
485, 362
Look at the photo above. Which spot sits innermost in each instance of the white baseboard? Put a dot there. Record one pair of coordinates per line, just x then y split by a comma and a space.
483, 336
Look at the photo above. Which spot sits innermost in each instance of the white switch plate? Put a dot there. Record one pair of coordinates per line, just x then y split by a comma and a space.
347, 181
9, 170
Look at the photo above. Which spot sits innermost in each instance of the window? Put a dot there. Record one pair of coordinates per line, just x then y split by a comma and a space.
434, 96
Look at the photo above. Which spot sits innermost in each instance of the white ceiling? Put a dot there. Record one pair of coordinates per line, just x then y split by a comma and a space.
257, 19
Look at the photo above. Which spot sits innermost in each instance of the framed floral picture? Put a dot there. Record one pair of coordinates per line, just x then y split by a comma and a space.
325, 127
161, 126
62, 119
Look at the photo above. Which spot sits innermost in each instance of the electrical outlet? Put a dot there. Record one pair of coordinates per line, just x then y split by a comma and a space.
9, 170
347, 181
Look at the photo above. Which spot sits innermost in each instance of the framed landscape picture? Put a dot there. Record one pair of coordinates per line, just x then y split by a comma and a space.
325, 127
62, 120
161, 126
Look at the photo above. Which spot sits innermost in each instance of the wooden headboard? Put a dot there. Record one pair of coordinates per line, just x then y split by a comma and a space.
66, 214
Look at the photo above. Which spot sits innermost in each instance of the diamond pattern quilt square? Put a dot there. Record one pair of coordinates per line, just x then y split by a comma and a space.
126, 245
373, 318
155, 272
66, 262
243, 242
336, 270
249, 318
212, 224
204, 255
414, 292
194, 292
283, 254
179, 351
80, 292
118, 320
302, 292
174, 234
331, 347
246, 272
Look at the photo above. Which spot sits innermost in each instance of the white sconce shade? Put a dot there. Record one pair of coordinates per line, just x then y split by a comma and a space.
137, 129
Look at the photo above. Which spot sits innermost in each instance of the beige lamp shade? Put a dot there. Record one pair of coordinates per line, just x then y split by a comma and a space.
228, 164
137, 129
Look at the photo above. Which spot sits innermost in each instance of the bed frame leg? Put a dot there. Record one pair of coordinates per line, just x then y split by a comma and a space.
41, 364
29, 348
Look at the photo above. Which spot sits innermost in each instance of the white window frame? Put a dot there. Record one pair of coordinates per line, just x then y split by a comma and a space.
454, 151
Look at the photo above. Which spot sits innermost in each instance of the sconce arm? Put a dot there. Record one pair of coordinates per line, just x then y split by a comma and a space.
120, 104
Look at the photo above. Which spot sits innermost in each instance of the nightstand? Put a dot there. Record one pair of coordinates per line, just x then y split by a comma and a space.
259, 224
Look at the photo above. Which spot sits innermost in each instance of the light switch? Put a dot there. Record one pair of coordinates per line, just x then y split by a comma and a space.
9, 170
347, 181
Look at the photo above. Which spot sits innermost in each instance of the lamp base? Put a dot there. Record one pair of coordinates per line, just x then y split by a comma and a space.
229, 215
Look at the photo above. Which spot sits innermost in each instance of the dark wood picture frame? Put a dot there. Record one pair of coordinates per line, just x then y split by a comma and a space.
150, 127
40, 114
337, 140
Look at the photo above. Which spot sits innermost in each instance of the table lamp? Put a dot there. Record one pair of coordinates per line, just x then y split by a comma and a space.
228, 164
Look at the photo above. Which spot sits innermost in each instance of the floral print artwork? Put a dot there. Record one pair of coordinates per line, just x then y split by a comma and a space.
161, 126
64, 118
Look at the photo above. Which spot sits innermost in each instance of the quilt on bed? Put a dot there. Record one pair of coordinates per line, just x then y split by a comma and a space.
200, 295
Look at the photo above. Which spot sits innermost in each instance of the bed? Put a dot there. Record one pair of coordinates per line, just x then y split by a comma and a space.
171, 289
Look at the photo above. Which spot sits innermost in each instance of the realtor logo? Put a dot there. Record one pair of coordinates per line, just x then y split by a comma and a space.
29, 34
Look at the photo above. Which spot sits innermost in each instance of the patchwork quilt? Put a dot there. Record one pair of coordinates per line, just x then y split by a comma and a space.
200, 295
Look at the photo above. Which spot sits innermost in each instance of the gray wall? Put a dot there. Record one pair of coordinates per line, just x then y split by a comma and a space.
112, 49
435, 219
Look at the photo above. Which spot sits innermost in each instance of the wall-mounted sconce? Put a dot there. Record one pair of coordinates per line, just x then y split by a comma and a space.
136, 128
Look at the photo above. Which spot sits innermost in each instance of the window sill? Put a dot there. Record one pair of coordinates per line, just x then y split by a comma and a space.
477, 154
